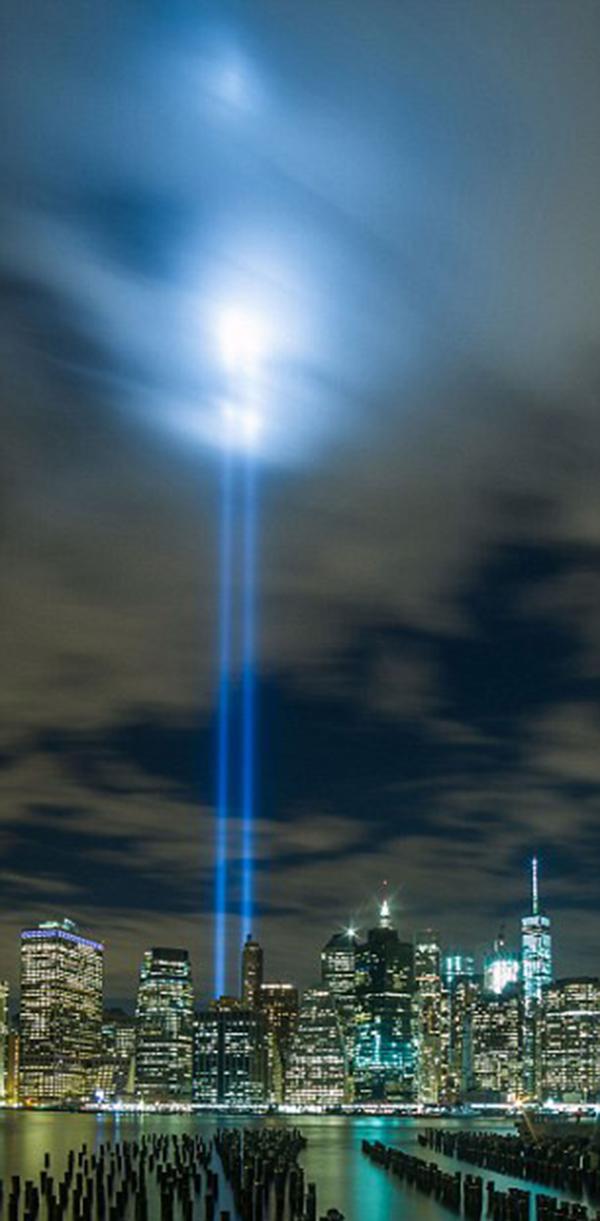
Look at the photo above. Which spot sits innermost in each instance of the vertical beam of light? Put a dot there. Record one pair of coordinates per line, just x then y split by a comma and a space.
248, 690
224, 728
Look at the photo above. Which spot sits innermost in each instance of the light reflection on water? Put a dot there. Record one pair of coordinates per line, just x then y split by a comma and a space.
333, 1160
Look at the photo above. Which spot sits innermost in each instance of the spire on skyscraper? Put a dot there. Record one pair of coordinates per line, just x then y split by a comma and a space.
385, 919
534, 887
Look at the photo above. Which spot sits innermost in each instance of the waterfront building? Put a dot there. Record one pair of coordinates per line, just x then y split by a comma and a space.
115, 1077
252, 972
230, 1063
164, 1026
384, 1045
570, 1041
338, 975
4, 1038
61, 1012
206, 1071
13, 1084
536, 968
501, 968
316, 1075
279, 1006
430, 1018
496, 1034
461, 999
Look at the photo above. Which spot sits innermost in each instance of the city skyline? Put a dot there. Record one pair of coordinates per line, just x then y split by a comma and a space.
391, 1022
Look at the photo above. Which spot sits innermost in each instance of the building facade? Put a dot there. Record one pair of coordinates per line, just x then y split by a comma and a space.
230, 1056
164, 1026
279, 1006
316, 1075
570, 1041
430, 1019
61, 1012
496, 1047
384, 1046
116, 1075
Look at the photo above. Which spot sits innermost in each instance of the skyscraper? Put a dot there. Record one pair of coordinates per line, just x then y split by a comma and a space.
4, 1033
384, 1051
536, 967
252, 972
429, 1017
338, 975
570, 1041
496, 1046
115, 1077
230, 1055
457, 965
61, 1012
279, 1005
164, 1026
317, 1065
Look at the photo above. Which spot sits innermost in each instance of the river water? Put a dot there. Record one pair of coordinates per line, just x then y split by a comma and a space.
345, 1178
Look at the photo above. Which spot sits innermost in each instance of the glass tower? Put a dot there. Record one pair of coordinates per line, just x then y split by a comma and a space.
164, 1026
61, 1012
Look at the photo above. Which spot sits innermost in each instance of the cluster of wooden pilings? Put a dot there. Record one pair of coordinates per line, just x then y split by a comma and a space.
261, 1167
466, 1194
564, 1165
119, 1180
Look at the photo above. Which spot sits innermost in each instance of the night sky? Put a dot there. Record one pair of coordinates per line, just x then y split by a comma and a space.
410, 194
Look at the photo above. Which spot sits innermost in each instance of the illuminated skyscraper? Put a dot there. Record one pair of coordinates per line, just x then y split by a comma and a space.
115, 1078
279, 1005
384, 1050
4, 1033
252, 972
496, 1046
61, 1012
501, 968
164, 1026
536, 960
570, 1041
317, 1065
338, 975
429, 1017
230, 1055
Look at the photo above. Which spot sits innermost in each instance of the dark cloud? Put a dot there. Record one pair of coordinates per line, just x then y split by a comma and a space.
415, 205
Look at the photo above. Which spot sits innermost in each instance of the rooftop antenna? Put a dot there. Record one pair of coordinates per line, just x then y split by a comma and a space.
535, 906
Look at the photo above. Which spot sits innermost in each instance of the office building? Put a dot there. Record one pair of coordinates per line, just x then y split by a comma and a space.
384, 1044
230, 1060
164, 1027
570, 1041
316, 1074
496, 1047
61, 1012
279, 1006
116, 1078
4, 1040
457, 965
431, 1026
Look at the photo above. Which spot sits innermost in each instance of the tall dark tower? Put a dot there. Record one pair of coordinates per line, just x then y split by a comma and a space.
252, 972
384, 1048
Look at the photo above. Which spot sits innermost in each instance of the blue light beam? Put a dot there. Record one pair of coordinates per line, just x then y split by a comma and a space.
248, 691
224, 726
